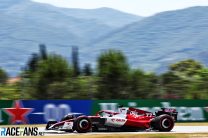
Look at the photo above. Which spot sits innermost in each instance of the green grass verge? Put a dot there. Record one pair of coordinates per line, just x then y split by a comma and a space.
192, 124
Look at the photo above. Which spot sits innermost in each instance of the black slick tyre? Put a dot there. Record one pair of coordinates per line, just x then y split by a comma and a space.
82, 124
163, 123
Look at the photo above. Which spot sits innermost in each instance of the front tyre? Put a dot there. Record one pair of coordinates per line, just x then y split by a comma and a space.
82, 124
163, 123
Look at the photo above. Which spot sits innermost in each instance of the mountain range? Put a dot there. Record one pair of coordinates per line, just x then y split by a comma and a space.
150, 43
165, 38
25, 24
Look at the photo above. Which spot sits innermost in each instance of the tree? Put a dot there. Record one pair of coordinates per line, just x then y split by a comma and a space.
186, 68
75, 61
152, 89
200, 85
182, 78
87, 71
143, 85
174, 85
43, 52
3, 76
138, 84
33, 62
82, 88
36, 57
113, 72
49, 81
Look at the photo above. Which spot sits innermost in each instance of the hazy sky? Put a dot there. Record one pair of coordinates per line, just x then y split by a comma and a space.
139, 7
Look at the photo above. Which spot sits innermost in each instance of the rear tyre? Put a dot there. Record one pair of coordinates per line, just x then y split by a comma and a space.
82, 124
49, 124
163, 123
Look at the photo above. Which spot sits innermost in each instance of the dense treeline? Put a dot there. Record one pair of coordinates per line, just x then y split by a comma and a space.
50, 76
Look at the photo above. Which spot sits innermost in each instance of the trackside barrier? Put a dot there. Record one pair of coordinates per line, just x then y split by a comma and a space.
188, 110
42, 111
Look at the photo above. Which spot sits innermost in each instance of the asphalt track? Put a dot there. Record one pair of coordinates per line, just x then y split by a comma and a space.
176, 130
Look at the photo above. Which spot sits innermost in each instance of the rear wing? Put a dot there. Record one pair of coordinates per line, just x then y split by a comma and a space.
170, 111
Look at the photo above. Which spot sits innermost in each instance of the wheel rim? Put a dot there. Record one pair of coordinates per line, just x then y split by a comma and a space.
84, 124
166, 123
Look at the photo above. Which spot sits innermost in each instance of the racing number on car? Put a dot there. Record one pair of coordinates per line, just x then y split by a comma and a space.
54, 112
149, 114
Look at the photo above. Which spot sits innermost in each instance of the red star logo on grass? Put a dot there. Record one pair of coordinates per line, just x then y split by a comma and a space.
18, 113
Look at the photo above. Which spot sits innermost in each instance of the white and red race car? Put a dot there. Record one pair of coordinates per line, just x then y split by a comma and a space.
126, 119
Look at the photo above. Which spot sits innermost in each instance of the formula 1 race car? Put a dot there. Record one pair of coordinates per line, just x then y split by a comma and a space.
126, 119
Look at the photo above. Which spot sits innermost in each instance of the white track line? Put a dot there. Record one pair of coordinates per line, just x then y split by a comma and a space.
176, 129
